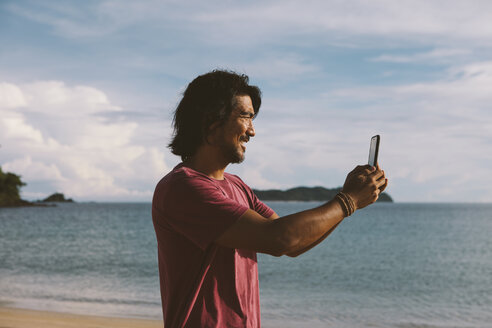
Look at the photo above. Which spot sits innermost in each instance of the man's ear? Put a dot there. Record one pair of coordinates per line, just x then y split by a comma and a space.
213, 126
212, 132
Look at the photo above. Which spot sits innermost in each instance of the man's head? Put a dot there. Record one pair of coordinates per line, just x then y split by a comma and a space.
208, 103
232, 136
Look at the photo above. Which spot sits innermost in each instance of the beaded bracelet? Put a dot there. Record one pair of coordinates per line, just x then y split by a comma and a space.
350, 202
346, 202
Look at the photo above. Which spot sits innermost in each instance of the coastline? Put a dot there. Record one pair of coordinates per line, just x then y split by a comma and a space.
24, 318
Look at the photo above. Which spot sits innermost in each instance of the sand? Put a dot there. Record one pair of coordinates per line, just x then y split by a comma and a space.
20, 318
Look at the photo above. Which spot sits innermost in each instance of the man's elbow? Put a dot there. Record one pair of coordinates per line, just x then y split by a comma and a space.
277, 252
284, 243
294, 254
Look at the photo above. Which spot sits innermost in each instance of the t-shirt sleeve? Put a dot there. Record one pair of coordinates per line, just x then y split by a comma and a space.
200, 211
256, 204
260, 207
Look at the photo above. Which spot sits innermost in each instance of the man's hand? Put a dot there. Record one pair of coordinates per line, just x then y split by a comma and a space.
364, 184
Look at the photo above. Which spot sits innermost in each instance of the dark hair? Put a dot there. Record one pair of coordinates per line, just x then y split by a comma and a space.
208, 99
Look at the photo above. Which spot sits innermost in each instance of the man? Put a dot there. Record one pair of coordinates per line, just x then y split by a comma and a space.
210, 225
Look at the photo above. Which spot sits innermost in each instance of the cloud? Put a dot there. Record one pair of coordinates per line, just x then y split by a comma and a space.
335, 22
70, 21
36, 171
279, 69
53, 136
435, 55
436, 136
11, 96
274, 21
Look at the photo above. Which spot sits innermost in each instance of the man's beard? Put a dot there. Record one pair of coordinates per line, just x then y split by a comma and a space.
234, 155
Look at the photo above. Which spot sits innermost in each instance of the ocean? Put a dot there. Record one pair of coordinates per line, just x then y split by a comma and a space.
390, 265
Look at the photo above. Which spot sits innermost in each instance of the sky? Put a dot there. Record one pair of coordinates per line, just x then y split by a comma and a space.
88, 89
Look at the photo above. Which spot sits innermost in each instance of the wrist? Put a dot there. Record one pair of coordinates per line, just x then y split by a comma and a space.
347, 203
352, 199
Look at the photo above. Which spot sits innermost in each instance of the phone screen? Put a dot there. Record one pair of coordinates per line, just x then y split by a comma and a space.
373, 150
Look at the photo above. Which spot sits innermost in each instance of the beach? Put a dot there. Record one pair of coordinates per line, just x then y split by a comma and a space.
21, 318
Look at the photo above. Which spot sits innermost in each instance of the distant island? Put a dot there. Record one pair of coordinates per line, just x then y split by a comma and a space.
306, 194
10, 185
57, 198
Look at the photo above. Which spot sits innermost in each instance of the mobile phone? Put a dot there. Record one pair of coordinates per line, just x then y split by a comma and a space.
374, 150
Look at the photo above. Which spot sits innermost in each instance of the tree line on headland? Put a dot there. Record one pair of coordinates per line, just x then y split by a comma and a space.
307, 194
10, 185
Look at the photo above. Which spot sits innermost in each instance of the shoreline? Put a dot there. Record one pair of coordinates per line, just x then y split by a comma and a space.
12, 317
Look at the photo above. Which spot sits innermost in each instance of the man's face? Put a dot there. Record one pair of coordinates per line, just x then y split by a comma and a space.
235, 133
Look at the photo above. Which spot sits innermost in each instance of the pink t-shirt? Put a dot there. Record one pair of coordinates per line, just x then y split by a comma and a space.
203, 284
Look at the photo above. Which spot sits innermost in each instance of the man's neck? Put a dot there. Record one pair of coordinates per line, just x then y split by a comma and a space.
206, 161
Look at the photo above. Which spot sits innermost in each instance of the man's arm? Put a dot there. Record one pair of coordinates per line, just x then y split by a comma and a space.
275, 216
296, 233
304, 250
284, 235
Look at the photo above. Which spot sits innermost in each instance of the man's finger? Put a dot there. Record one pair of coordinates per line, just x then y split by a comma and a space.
368, 169
361, 168
377, 174
376, 193
382, 177
383, 187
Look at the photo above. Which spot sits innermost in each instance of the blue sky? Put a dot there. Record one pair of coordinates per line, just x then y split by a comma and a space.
87, 90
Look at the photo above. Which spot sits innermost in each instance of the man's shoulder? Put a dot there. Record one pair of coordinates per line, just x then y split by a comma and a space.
233, 177
174, 176
182, 178
236, 180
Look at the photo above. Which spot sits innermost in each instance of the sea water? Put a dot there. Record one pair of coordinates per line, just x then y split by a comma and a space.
389, 265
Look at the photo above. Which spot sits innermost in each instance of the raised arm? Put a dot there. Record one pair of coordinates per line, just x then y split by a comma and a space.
296, 233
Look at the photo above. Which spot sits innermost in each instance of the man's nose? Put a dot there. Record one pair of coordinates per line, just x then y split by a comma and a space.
251, 129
